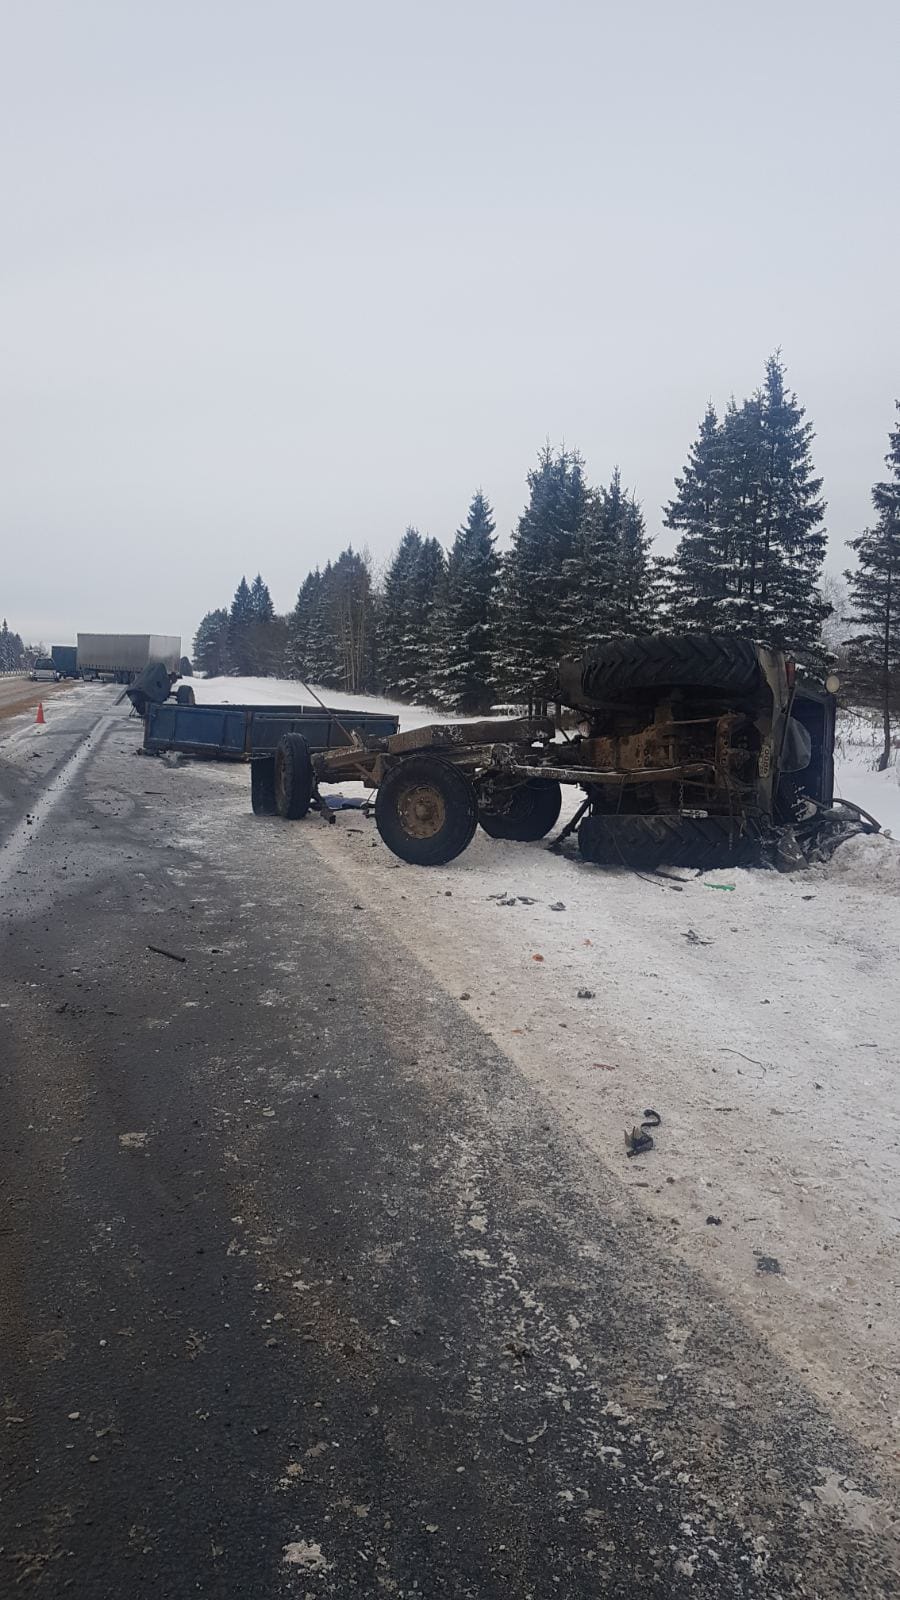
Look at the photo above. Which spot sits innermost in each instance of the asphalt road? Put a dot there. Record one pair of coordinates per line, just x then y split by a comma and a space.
17, 694
304, 1292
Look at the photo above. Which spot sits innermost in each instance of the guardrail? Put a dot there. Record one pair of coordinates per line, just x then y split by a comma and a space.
20, 673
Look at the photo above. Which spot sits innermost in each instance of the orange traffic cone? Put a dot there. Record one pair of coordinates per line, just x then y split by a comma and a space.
40, 712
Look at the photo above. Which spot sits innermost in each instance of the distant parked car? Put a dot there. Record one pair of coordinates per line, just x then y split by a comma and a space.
44, 671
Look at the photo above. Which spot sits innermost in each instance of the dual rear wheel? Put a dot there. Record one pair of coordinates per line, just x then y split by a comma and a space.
282, 785
426, 809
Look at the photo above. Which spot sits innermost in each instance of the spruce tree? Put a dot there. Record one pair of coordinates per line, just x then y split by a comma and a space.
322, 659
261, 601
298, 624
424, 641
873, 652
791, 534
698, 570
352, 620
211, 644
749, 511
631, 596
535, 610
399, 663
239, 631
590, 574
264, 638
466, 682
12, 649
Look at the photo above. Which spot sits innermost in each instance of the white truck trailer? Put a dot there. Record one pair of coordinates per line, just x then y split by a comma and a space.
121, 656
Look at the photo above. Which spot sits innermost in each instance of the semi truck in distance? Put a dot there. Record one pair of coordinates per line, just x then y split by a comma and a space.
65, 659
121, 657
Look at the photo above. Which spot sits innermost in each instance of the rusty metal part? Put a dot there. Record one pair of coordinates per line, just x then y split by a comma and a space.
590, 775
423, 811
571, 826
446, 735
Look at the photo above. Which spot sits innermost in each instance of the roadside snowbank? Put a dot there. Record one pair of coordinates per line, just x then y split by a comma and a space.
287, 692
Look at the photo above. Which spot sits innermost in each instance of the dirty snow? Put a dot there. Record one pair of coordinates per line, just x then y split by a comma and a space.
767, 1042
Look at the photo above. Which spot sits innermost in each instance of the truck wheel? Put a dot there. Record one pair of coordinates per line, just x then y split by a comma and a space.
533, 808
293, 776
184, 695
426, 811
661, 660
669, 839
262, 787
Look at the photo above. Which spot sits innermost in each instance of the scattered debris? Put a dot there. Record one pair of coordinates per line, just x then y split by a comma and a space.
537, 958
728, 887
159, 951
767, 1263
694, 938
640, 1138
558, 905
714, 1222
303, 1553
133, 1141
519, 1352
728, 1051
585, 994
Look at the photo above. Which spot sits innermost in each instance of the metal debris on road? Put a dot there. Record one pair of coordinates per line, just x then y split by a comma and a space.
159, 951
640, 1138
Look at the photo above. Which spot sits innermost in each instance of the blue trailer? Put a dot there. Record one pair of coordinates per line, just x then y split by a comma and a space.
245, 733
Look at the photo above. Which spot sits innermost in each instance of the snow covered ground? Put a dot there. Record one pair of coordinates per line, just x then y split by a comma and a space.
756, 1012
287, 692
857, 748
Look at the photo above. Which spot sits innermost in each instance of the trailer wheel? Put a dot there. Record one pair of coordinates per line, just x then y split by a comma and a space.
663, 660
293, 776
426, 811
262, 787
533, 808
184, 695
669, 839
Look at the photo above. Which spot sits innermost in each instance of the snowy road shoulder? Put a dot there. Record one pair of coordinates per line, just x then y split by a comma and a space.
755, 1012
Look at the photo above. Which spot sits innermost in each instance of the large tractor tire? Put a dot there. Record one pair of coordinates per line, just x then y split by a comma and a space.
262, 787
532, 810
662, 661
293, 776
426, 811
666, 839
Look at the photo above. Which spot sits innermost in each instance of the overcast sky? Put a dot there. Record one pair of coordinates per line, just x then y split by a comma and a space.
279, 276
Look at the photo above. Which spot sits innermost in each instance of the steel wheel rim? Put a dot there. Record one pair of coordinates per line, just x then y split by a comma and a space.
422, 811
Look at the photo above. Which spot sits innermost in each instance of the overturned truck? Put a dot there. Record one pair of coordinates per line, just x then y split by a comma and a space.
690, 750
